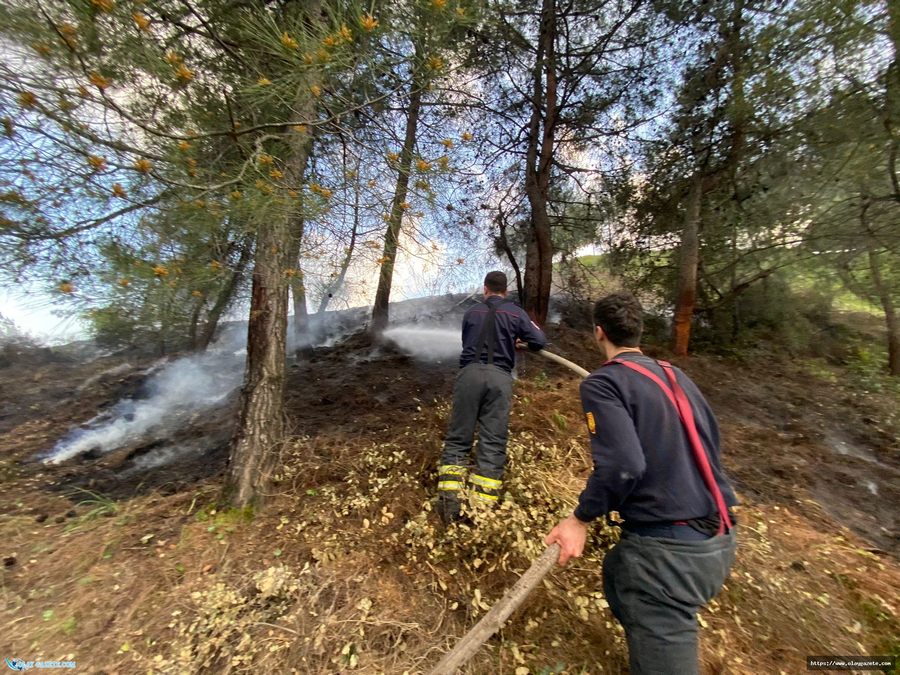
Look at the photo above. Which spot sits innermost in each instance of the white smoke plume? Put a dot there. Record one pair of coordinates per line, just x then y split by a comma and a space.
182, 387
177, 390
166, 455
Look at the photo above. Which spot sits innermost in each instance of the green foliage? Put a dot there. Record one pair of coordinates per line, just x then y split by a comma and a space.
98, 506
201, 132
228, 516
553, 670
559, 420
225, 521
199, 143
771, 313
69, 625
794, 165
865, 361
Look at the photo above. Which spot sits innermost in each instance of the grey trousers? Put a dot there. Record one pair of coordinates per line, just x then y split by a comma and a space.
655, 587
481, 396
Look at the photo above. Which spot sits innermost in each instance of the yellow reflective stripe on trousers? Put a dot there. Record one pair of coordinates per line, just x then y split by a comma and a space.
450, 485
452, 470
487, 498
485, 482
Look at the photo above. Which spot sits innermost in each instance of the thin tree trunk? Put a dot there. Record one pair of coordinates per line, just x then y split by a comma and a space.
503, 243
226, 295
302, 338
890, 314
380, 312
301, 335
892, 96
883, 292
538, 166
298, 229
735, 307
199, 303
689, 258
165, 328
705, 181
334, 287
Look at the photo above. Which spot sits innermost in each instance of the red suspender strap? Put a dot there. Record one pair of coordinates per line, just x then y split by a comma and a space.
680, 400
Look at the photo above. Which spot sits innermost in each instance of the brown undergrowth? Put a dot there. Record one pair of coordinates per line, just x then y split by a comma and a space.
346, 569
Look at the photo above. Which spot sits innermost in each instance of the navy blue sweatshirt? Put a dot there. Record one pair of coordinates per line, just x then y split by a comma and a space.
511, 323
644, 467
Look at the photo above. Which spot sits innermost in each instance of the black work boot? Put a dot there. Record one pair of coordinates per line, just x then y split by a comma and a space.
448, 507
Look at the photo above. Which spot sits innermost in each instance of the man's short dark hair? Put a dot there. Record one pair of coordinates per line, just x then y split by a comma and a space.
495, 282
620, 315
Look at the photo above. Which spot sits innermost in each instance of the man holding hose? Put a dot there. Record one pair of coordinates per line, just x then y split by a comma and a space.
655, 447
482, 396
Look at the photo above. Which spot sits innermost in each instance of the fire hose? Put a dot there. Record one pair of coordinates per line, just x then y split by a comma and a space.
491, 622
564, 362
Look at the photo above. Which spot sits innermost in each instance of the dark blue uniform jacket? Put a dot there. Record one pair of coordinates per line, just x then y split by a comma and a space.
511, 323
643, 464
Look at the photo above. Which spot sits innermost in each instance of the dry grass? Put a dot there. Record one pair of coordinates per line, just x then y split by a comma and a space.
346, 570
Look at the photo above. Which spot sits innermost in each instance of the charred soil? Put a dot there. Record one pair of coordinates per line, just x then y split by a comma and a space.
126, 567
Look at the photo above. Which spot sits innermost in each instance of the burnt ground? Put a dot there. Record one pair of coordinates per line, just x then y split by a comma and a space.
813, 452
360, 386
787, 434
795, 429
45, 398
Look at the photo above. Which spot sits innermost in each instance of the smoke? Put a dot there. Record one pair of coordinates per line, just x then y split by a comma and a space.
175, 392
172, 395
427, 343
326, 329
166, 455
121, 369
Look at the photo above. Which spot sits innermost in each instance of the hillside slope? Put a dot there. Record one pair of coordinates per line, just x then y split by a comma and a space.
127, 570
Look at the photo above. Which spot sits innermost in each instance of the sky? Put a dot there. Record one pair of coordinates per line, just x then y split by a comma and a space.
36, 316
33, 314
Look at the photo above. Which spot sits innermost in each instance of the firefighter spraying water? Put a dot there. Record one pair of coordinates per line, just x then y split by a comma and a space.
482, 395
654, 443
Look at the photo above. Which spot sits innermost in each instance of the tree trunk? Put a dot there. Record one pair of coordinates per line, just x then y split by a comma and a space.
538, 166
892, 98
256, 445
226, 295
298, 229
302, 338
335, 286
255, 449
380, 312
301, 334
890, 314
193, 337
883, 291
705, 180
689, 258
503, 244
165, 328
